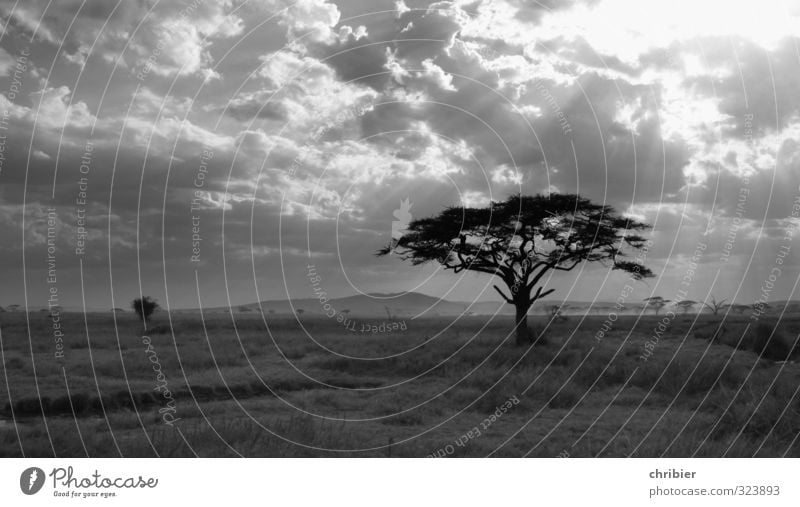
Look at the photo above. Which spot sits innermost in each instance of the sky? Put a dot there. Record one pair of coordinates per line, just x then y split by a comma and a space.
212, 152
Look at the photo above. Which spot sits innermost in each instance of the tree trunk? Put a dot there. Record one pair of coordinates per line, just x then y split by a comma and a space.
523, 337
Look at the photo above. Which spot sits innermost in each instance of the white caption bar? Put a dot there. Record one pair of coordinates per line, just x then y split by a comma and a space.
362, 482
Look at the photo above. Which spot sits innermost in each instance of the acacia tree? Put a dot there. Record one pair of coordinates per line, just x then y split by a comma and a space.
144, 308
520, 240
715, 306
686, 305
657, 302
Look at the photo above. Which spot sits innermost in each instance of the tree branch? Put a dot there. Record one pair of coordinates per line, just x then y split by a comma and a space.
539, 294
577, 261
545, 267
508, 300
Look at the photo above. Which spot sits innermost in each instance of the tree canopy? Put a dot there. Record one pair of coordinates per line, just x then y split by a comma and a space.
144, 307
521, 239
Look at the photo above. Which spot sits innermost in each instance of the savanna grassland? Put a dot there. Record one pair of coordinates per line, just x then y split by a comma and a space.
696, 386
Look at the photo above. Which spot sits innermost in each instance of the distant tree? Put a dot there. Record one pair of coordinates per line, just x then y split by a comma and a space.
520, 240
715, 306
657, 303
686, 305
245, 309
144, 308
271, 311
300, 311
556, 312
345, 312
738, 308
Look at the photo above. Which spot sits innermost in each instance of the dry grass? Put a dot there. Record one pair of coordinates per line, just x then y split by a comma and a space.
256, 389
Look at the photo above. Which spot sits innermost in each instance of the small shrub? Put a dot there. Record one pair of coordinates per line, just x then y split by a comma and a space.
259, 388
678, 378
31, 406
203, 392
80, 402
769, 342
60, 405
15, 363
775, 415
122, 399
241, 390
145, 399
293, 385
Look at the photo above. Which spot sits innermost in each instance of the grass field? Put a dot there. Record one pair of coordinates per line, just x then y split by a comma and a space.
695, 386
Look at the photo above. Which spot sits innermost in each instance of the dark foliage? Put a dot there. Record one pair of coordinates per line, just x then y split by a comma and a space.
521, 239
144, 307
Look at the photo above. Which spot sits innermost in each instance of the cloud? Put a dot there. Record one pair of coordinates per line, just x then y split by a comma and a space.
167, 38
53, 109
7, 62
312, 119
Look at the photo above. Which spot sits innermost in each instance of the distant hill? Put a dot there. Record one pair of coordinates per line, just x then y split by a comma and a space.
411, 304
398, 305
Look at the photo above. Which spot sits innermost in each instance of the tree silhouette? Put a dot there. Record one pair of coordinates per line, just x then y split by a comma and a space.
686, 305
715, 306
144, 308
520, 240
657, 302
